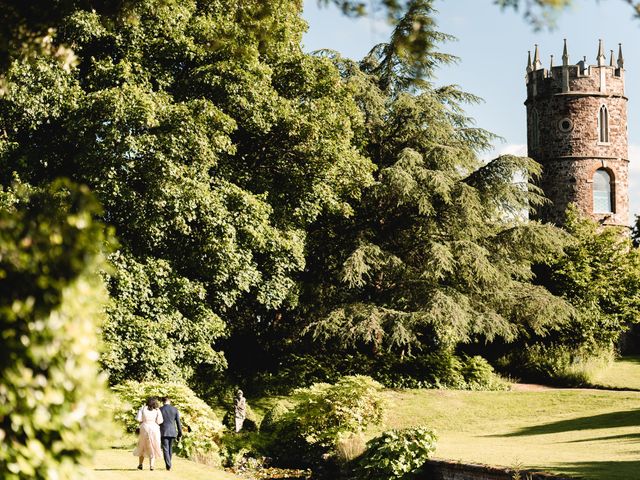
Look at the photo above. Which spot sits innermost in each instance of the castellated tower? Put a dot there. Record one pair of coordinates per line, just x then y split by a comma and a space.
577, 130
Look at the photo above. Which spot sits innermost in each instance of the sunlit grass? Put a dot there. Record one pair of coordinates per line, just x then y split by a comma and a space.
115, 461
118, 464
623, 373
593, 434
577, 432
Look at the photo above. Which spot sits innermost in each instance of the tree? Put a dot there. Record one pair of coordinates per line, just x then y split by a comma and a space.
439, 252
542, 13
211, 141
539, 13
635, 232
599, 273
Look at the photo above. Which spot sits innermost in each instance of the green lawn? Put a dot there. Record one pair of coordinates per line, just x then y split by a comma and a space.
594, 434
624, 373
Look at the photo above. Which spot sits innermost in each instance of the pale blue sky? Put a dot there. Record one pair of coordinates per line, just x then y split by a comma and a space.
492, 46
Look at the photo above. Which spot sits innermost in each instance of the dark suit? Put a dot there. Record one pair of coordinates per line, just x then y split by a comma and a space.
170, 429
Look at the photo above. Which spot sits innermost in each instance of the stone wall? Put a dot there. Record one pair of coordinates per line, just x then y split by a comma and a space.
571, 180
582, 139
448, 470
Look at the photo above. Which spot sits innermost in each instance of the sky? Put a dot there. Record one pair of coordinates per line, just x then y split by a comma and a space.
492, 47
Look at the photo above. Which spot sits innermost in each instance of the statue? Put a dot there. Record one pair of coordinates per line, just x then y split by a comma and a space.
240, 404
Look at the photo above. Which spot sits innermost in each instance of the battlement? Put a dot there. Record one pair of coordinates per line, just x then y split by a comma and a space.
603, 79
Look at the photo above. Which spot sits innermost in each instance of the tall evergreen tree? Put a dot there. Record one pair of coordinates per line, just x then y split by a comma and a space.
440, 250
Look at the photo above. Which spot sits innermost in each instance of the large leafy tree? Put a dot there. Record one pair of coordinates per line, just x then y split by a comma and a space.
212, 142
599, 273
439, 251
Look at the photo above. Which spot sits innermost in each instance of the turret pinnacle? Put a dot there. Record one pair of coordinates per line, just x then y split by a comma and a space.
565, 68
600, 58
620, 59
574, 77
537, 64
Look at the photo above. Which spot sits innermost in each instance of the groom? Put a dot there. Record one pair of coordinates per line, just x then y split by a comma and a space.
170, 429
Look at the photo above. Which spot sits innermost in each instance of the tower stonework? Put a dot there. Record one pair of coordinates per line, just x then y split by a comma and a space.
577, 131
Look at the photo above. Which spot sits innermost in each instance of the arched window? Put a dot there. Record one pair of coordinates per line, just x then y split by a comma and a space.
603, 124
602, 192
535, 129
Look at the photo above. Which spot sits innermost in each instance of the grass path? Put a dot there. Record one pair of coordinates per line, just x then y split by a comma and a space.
119, 464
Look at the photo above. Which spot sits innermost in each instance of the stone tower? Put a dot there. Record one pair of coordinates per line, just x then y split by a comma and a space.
577, 131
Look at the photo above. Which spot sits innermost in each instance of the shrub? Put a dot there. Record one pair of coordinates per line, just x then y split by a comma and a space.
303, 370
323, 411
321, 415
286, 445
396, 453
202, 431
273, 416
556, 364
480, 375
50, 304
440, 369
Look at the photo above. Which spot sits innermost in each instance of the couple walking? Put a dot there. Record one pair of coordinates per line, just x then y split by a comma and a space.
159, 427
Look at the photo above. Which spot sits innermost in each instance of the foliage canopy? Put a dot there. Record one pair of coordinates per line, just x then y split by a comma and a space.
260, 193
211, 141
599, 273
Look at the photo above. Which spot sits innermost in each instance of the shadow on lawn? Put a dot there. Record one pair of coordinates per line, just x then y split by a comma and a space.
628, 436
627, 418
614, 470
630, 359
